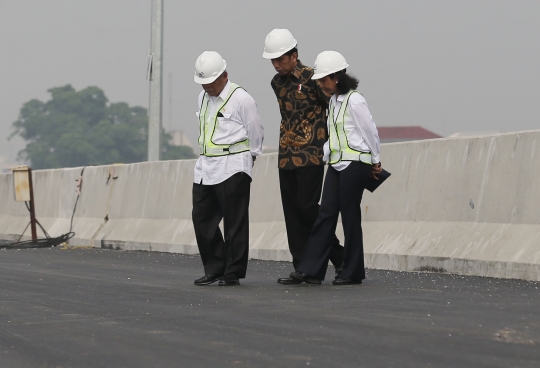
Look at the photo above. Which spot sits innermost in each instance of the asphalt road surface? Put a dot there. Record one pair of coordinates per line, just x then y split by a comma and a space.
103, 308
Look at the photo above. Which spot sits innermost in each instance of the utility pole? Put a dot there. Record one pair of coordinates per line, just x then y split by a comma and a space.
155, 75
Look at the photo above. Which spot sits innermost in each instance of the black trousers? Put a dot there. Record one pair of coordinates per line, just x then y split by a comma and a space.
229, 201
300, 195
342, 193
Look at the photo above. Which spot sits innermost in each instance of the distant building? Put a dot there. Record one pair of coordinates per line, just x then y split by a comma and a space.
404, 133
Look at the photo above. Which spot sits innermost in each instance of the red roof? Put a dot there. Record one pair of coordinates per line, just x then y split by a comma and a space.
405, 132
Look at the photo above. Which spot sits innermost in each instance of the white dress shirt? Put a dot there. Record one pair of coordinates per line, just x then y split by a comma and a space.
360, 128
240, 121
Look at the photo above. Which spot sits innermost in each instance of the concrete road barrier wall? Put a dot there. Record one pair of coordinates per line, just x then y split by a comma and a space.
468, 206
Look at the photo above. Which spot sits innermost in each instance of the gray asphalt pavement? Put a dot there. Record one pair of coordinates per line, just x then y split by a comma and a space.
103, 308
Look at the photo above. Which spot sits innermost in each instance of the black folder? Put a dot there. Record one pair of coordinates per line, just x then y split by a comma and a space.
373, 184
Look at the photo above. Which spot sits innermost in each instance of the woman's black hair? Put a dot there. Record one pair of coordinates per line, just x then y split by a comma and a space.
292, 51
345, 82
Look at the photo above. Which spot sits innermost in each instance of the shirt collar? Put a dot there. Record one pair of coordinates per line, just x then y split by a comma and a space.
224, 93
339, 98
297, 72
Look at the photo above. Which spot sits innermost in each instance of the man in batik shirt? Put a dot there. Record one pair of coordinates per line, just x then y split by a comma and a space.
303, 132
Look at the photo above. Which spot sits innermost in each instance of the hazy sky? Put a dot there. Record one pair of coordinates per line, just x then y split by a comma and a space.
450, 66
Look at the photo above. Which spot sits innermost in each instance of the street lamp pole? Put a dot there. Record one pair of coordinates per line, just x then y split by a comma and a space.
155, 75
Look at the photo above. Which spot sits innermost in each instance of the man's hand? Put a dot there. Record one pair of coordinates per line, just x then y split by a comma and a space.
376, 169
254, 158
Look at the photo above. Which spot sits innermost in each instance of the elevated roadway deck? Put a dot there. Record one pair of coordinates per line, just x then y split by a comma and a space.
103, 308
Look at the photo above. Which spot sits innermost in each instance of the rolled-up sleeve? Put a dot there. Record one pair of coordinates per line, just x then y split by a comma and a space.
252, 122
364, 121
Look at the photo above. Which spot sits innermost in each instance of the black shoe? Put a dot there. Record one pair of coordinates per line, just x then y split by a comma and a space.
288, 281
346, 282
302, 277
338, 270
229, 279
208, 279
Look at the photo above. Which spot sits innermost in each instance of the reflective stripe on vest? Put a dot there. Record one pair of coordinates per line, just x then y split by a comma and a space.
207, 128
339, 144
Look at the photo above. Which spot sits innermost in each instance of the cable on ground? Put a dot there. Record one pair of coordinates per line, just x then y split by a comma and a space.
48, 241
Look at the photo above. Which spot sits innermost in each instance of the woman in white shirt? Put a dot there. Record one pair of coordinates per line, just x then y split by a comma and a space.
352, 151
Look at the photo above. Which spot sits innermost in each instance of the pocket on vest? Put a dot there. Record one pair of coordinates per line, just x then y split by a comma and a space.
224, 126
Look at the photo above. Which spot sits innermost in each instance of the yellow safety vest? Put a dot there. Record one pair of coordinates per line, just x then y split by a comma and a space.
207, 128
339, 144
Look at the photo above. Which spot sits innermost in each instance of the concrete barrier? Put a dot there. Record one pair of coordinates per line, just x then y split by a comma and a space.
467, 206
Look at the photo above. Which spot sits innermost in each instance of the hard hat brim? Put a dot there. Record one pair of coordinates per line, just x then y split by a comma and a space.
275, 55
325, 73
208, 80
200, 80
319, 75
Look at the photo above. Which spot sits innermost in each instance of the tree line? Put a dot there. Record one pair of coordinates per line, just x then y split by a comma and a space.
78, 128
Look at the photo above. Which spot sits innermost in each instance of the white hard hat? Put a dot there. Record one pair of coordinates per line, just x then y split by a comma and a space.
208, 67
328, 62
277, 43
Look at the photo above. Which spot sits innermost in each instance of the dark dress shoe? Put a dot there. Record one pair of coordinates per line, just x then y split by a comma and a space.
288, 281
229, 279
346, 282
302, 277
338, 270
208, 279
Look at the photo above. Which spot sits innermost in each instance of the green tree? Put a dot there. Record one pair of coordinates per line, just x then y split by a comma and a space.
77, 128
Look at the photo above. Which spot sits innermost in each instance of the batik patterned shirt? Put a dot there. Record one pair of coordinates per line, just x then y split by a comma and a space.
303, 130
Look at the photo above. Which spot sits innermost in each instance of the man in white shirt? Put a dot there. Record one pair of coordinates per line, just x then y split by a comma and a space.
231, 136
